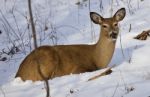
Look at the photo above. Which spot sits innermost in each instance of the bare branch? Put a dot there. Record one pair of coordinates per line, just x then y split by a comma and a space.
32, 24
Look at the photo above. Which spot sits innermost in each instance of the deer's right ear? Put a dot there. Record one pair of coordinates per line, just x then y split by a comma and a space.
96, 18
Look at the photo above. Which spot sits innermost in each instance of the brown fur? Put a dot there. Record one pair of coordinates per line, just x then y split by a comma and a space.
65, 59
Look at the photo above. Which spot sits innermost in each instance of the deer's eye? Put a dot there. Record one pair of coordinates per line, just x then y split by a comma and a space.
115, 24
104, 26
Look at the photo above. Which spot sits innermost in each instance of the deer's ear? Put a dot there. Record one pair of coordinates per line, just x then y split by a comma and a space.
120, 14
96, 18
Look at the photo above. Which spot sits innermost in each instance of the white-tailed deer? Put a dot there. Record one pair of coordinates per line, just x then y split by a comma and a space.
65, 59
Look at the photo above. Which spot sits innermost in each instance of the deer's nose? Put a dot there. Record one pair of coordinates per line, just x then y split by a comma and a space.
114, 35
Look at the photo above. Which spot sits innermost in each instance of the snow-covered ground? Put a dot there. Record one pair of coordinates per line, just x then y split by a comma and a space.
69, 23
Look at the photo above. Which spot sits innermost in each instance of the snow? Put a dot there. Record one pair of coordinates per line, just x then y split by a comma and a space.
71, 24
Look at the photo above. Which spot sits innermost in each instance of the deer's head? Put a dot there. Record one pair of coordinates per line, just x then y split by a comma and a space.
109, 26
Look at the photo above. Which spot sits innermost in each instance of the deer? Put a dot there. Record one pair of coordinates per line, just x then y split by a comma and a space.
59, 60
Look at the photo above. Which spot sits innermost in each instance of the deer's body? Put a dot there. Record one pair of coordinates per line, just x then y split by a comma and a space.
65, 59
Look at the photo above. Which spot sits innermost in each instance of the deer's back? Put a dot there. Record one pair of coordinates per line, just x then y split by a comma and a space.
57, 61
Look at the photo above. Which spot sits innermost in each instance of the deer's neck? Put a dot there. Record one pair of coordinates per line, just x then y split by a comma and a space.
104, 51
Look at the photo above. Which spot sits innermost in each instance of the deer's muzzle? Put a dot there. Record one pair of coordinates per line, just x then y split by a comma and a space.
113, 35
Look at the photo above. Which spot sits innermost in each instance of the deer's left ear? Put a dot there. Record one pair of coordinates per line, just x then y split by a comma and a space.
96, 18
120, 14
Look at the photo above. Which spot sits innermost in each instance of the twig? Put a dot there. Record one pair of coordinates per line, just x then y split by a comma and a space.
115, 89
111, 10
101, 6
92, 28
32, 24
20, 34
122, 78
35, 46
130, 28
122, 47
2, 91
7, 22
